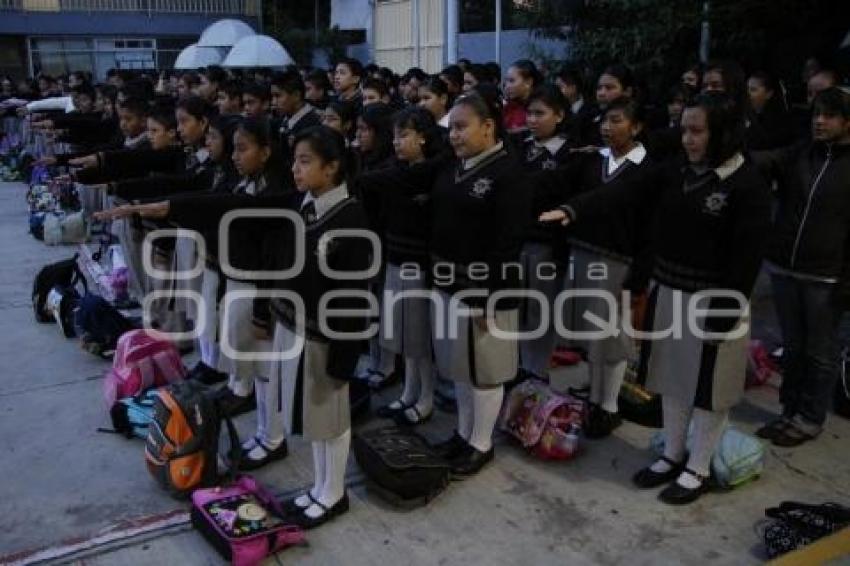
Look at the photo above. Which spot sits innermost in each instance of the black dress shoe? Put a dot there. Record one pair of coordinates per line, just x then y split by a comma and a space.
469, 461
305, 522
600, 423
675, 494
450, 448
647, 478
247, 463
233, 405
206, 375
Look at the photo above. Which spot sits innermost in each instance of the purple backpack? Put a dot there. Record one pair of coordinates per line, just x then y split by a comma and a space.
242, 521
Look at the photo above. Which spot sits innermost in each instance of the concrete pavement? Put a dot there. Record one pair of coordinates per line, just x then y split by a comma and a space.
84, 497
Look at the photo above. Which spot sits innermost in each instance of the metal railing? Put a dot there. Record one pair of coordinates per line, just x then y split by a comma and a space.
236, 7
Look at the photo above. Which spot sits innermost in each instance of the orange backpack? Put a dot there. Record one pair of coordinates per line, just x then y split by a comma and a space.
181, 450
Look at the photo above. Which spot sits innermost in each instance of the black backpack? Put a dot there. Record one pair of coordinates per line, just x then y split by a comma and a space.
402, 466
182, 446
101, 325
62, 274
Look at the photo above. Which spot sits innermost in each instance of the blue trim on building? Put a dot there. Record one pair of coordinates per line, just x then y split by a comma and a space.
109, 23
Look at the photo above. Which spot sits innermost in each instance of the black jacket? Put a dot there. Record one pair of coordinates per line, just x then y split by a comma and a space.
811, 230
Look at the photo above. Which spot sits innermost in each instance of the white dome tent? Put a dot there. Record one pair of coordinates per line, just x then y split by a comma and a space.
194, 57
258, 51
224, 33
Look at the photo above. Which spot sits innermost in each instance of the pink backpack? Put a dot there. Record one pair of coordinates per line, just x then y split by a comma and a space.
143, 359
242, 521
545, 422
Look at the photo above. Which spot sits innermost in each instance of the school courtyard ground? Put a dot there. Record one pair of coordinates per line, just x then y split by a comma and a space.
71, 494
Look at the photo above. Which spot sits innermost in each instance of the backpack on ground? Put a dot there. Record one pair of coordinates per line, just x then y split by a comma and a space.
62, 302
65, 229
242, 521
738, 459
100, 325
546, 423
132, 416
794, 525
181, 450
64, 273
402, 466
143, 359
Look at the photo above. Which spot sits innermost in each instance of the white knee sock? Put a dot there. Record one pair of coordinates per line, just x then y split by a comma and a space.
411, 382
676, 417
425, 368
336, 460
319, 457
708, 427
242, 387
463, 393
594, 370
487, 403
209, 352
270, 411
612, 379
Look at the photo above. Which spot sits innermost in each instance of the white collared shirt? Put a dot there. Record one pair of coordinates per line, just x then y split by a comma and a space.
636, 156
728, 167
444, 121
133, 142
294, 119
326, 200
576, 106
553, 145
473, 161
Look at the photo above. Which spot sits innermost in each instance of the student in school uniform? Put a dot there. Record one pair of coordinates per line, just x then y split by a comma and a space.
375, 91
406, 327
229, 101
317, 86
375, 152
546, 148
480, 209
258, 164
256, 100
342, 117
435, 98
293, 111
323, 364
711, 230
768, 123
616, 81
520, 81
610, 202
347, 76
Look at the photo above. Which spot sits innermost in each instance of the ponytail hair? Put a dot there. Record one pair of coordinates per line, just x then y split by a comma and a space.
259, 130
485, 102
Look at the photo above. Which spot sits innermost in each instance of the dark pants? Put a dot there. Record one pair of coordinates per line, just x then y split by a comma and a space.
809, 320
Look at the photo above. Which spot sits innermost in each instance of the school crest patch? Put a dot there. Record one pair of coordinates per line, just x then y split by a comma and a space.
533, 153
481, 187
549, 164
715, 203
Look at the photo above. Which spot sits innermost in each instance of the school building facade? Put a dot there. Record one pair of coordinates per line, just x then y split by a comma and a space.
58, 36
